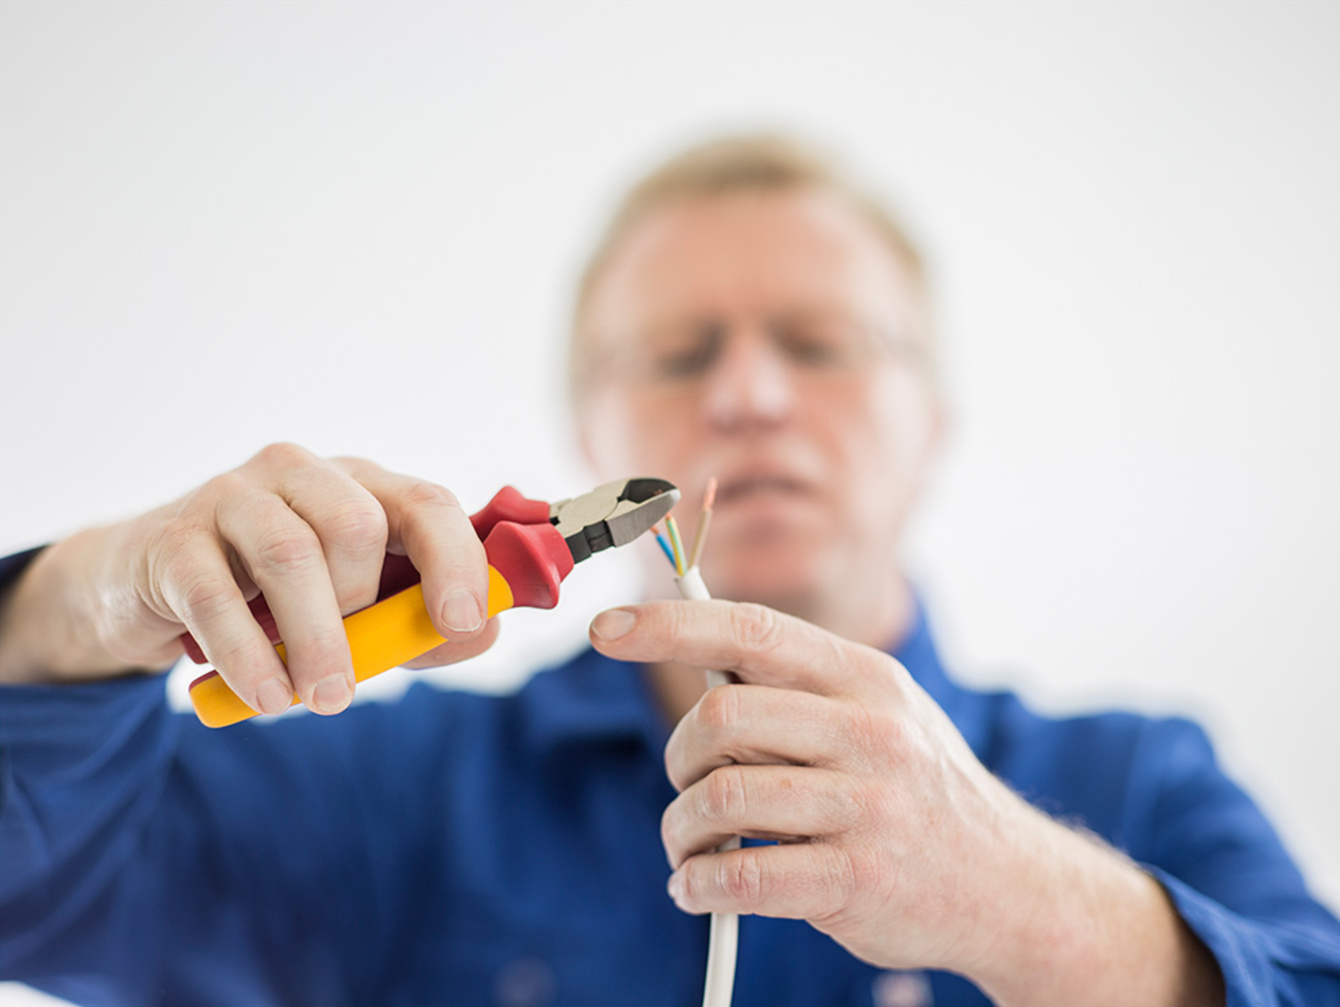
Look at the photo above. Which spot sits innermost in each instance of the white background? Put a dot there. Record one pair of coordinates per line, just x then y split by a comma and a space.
357, 226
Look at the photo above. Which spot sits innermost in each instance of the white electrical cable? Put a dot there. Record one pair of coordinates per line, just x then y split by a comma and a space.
725, 928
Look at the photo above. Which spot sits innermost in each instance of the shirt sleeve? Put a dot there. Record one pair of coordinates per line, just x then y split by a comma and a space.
1230, 877
147, 859
12, 566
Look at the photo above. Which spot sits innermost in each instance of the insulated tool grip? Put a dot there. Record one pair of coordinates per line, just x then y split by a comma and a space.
508, 505
526, 565
384, 636
397, 572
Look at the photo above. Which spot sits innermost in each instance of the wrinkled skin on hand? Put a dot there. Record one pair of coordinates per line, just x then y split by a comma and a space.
311, 534
891, 836
830, 748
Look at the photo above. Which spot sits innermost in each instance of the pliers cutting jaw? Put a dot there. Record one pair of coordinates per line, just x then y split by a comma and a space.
612, 515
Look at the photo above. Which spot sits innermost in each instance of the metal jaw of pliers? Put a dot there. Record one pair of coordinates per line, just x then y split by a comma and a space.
531, 547
534, 545
612, 515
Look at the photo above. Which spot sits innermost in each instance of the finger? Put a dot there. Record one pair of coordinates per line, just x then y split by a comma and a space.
283, 555
426, 522
758, 802
808, 881
757, 724
194, 581
350, 524
757, 643
457, 650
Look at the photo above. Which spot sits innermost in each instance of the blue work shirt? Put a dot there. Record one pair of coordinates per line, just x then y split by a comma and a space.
453, 848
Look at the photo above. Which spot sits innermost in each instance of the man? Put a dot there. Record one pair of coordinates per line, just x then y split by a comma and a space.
751, 316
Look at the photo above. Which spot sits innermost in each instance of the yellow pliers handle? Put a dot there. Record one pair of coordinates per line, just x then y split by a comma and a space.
381, 637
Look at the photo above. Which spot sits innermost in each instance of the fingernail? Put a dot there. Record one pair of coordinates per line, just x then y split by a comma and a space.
275, 695
332, 694
675, 886
461, 612
613, 624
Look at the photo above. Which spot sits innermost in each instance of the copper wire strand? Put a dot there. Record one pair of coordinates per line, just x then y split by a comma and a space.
704, 522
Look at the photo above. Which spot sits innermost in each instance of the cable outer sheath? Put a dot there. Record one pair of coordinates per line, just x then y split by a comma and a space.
725, 927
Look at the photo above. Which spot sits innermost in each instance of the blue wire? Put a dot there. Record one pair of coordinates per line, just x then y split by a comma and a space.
665, 548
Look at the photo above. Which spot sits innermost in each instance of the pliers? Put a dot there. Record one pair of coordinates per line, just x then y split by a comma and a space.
531, 547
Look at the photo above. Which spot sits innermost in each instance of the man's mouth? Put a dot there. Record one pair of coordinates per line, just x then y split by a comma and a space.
737, 488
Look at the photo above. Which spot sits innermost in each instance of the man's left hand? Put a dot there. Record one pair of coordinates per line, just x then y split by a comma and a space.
892, 836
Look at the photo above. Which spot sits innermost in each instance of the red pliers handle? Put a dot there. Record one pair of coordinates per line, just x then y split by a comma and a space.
528, 559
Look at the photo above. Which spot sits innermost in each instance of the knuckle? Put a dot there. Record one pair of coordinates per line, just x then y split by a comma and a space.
722, 797
742, 878
174, 544
873, 734
282, 455
756, 628
287, 551
837, 651
888, 676
719, 709
205, 597
226, 486
174, 560
838, 884
429, 495
870, 805
353, 464
843, 881
359, 525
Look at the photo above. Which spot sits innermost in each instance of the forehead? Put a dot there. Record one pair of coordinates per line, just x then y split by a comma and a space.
748, 254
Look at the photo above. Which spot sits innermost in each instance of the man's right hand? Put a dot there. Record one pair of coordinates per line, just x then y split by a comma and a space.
309, 533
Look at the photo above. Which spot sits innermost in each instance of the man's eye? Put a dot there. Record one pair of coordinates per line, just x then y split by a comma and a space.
814, 352
824, 343
679, 364
686, 358
814, 347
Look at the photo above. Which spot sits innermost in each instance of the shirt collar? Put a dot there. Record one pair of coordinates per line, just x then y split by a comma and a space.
593, 699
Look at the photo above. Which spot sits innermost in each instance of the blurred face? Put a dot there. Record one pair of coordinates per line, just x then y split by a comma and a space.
771, 340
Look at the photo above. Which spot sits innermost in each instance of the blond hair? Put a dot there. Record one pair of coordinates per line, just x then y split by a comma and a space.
723, 166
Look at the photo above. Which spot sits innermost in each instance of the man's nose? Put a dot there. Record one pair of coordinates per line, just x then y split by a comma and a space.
751, 384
